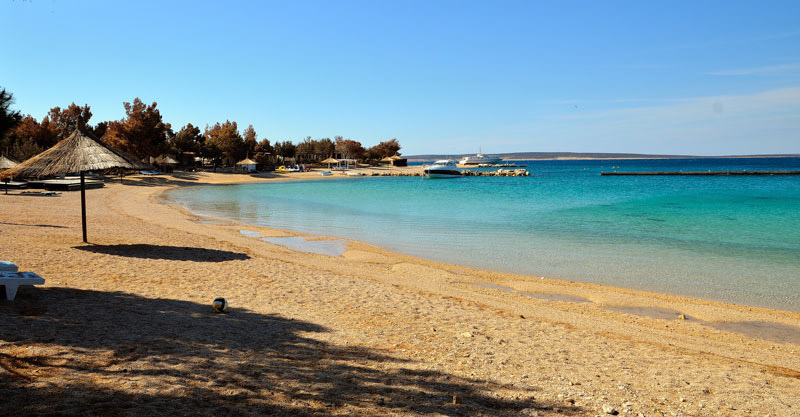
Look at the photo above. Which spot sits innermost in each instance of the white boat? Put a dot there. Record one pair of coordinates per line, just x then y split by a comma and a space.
325, 173
355, 174
443, 168
480, 159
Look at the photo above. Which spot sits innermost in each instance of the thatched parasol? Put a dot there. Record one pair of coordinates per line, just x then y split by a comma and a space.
80, 152
166, 160
6, 163
330, 161
247, 161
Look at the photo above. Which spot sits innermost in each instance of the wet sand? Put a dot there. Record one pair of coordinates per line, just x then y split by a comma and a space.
124, 327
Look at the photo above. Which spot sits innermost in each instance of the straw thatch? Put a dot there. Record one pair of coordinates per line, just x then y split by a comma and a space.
247, 161
391, 158
80, 152
6, 163
166, 160
395, 160
330, 161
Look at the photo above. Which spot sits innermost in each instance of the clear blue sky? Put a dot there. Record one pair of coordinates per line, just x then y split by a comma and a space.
441, 76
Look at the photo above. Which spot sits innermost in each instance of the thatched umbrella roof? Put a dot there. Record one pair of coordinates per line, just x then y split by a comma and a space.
247, 161
330, 161
166, 160
6, 163
80, 152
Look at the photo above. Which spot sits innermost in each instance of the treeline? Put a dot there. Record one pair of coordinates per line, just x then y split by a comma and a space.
143, 133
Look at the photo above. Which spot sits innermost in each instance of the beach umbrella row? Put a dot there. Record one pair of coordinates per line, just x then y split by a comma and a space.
80, 152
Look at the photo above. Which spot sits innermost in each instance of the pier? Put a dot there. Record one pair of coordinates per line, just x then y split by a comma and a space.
706, 173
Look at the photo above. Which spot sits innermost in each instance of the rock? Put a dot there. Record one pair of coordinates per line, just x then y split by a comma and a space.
456, 399
466, 334
682, 317
529, 412
610, 410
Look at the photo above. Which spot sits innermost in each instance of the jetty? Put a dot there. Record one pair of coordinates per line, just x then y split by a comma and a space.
706, 173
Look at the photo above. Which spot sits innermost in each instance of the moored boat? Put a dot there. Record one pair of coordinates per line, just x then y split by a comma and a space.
444, 168
480, 159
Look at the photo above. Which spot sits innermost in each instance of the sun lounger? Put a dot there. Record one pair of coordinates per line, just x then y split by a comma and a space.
6, 266
12, 281
41, 193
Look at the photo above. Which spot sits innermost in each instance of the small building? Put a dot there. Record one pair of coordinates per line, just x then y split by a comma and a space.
395, 161
247, 165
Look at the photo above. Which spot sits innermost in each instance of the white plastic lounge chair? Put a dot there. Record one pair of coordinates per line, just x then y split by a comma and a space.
12, 281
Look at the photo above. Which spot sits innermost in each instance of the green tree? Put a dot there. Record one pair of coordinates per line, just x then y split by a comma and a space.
9, 119
306, 150
324, 148
99, 130
188, 139
285, 149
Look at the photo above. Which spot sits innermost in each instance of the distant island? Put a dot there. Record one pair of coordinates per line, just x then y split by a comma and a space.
520, 156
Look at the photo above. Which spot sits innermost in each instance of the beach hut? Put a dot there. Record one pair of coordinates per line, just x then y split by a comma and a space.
395, 160
6, 163
248, 165
330, 161
166, 161
80, 152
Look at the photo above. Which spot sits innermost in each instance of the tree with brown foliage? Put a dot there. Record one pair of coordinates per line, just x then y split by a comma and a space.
351, 149
67, 119
226, 138
30, 137
386, 148
250, 142
141, 133
264, 152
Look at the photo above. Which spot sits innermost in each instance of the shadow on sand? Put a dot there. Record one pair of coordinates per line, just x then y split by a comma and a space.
36, 225
78, 352
172, 253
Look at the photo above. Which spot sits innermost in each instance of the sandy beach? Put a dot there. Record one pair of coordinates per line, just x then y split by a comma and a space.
124, 326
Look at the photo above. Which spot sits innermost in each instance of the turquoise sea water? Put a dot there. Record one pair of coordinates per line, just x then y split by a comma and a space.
727, 238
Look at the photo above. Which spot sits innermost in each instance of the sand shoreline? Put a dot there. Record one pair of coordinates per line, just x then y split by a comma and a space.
233, 180
494, 348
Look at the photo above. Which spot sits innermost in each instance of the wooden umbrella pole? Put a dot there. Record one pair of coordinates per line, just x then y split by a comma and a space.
83, 206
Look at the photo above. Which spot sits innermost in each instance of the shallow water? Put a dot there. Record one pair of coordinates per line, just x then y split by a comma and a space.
300, 244
734, 239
